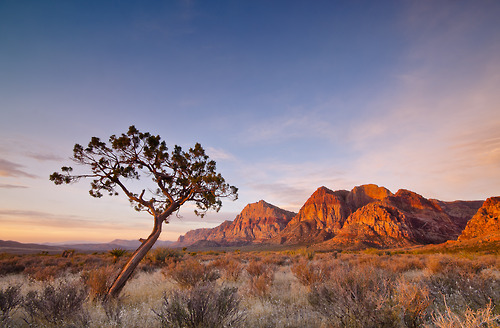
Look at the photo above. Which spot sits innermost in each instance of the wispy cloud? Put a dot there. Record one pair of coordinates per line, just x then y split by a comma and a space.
219, 154
33, 218
10, 186
306, 123
44, 156
11, 169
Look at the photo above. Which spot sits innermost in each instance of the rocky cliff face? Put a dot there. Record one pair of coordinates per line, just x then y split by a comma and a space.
193, 236
405, 218
325, 212
368, 215
320, 217
485, 223
460, 211
257, 222
375, 225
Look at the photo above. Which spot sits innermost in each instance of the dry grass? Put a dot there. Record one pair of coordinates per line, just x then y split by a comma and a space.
271, 289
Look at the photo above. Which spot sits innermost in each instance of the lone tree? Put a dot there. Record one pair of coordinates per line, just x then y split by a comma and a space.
178, 177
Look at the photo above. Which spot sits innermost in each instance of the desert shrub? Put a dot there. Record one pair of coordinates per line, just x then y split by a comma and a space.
398, 264
190, 273
47, 268
413, 299
57, 305
230, 268
10, 299
10, 265
117, 253
462, 289
261, 277
203, 306
93, 262
162, 255
469, 319
98, 281
355, 297
114, 310
275, 259
309, 273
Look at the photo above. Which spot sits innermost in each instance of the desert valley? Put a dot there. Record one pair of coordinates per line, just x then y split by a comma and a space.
361, 258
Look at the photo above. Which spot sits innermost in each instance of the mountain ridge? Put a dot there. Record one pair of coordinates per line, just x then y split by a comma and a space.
368, 215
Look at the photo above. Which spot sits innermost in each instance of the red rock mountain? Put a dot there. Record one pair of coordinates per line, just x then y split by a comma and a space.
256, 223
405, 218
325, 212
485, 223
366, 216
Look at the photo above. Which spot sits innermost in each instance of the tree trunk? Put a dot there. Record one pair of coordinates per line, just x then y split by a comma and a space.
132, 263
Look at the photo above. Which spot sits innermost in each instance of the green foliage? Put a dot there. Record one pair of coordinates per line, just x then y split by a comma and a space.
178, 175
117, 253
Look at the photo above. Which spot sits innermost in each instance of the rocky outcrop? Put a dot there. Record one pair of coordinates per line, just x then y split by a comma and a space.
376, 225
485, 223
325, 212
193, 236
257, 222
460, 211
405, 218
366, 194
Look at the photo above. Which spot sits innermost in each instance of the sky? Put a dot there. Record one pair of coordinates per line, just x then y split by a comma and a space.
286, 96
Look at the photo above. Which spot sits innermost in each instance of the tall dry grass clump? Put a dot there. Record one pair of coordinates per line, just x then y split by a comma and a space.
412, 301
98, 281
261, 277
230, 268
309, 273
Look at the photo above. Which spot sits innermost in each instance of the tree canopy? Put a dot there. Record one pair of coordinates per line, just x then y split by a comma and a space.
179, 176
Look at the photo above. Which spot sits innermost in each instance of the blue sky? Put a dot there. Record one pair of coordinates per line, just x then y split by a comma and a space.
286, 96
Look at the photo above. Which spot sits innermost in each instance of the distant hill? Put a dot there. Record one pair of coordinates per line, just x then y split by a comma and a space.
21, 248
9, 246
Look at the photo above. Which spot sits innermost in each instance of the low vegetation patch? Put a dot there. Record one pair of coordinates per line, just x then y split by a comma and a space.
254, 289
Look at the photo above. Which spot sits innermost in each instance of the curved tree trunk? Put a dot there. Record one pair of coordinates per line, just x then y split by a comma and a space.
132, 263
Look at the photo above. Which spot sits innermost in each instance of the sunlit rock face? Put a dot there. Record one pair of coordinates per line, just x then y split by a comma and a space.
325, 212
366, 194
367, 216
257, 222
376, 225
485, 223
405, 218
193, 236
